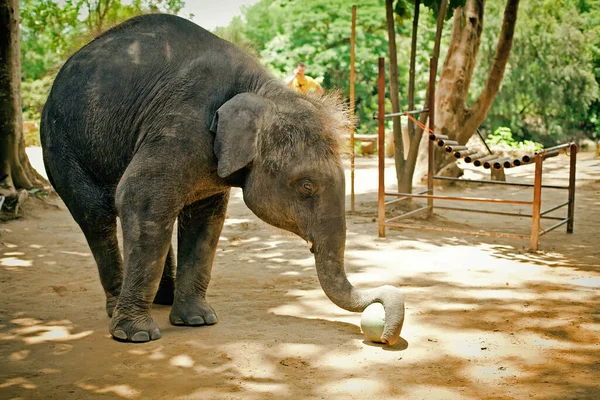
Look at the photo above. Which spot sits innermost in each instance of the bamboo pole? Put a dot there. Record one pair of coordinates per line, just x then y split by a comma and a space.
446, 142
453, 148
353, 155
500, 162
464, 153
488, 163
478, 162
381, 147
571, 209
544, 155
431, 116
438, 137
473, 157
537, 204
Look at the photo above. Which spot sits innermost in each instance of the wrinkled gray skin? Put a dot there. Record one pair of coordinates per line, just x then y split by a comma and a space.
155, 121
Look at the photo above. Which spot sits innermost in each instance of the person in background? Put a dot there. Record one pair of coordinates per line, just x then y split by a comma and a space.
303, 83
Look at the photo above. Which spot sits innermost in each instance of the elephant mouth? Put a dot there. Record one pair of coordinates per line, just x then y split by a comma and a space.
311, 246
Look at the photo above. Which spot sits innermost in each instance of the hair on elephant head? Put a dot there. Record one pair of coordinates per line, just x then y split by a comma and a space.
290, 151
252, 128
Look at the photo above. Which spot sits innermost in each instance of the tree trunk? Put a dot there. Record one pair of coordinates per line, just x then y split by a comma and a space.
394, 92
406, 177
15, 170
453, 117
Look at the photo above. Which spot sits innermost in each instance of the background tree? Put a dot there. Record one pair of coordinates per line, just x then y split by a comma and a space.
454, 117
396, 136
550, 92
15, 169
407, 151
51, 31
317, 32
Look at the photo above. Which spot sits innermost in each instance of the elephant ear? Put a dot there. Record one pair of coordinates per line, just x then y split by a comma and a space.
235, 126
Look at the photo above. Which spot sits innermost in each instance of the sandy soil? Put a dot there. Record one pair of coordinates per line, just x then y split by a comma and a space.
486, 319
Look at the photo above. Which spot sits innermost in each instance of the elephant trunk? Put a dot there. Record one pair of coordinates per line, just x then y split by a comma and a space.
329, 260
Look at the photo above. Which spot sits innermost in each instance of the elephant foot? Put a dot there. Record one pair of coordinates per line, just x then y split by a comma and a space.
165, 293
193, 314
133, 329
111, 303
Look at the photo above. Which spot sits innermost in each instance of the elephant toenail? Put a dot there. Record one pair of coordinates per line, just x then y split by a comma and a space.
140, 337
119, 334
155, 334
196, 320
211, 319
178, 321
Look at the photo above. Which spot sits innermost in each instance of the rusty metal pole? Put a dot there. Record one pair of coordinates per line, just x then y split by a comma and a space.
537, 203
352, 42
571, 207
431, 116
381, 147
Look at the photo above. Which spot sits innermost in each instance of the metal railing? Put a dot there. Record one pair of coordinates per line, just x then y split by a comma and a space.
487, 161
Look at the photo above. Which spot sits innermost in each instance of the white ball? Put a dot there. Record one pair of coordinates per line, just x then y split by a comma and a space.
372, 322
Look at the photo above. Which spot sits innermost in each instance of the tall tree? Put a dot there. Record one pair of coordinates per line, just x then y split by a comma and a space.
406, 159
394, 91
15, 170
549, 93
453, 116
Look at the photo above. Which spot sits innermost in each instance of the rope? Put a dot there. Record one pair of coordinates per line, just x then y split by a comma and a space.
419, 123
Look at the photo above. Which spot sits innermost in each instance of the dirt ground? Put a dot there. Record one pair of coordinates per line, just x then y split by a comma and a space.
486, 318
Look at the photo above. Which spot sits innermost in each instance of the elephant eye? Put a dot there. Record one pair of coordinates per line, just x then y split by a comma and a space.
306, 188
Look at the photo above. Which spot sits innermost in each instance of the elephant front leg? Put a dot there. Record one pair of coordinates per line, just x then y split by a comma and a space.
147, 223
199, 228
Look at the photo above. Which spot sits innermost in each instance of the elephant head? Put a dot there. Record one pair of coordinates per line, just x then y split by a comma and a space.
287, 150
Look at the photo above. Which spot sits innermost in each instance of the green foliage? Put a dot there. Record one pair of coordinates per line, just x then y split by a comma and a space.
404, 8
550, 88
53, 30
34, 96
502, 137
317, 32
48, 29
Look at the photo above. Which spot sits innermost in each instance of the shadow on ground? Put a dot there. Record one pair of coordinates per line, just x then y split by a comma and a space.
485, 318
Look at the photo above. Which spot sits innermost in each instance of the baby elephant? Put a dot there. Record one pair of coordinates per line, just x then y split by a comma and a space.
154, 121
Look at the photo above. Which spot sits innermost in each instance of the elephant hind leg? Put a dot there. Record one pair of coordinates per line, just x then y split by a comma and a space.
93, 209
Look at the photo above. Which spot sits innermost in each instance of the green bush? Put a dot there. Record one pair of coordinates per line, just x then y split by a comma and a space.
35, 93
503, 138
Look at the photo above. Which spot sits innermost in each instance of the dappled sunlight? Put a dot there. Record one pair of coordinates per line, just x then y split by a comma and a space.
182, 360
14, 264
369, 388
123, 391
21, 382
482, 316
77, 253
33, 331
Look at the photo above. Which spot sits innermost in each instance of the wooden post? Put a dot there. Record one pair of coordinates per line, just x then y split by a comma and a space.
537, 203
352, 42
571, 207
381, 148
431, 116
